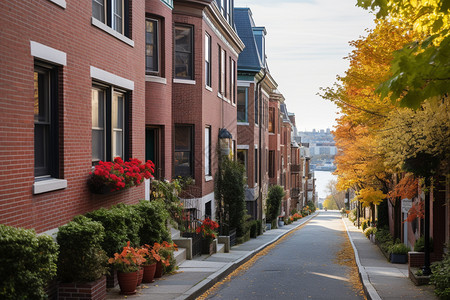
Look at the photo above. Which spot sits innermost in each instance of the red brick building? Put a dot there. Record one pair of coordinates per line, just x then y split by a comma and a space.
72, 93
204, 93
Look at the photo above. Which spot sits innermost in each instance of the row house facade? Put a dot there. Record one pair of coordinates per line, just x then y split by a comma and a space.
72, 93
255, 85
154, 79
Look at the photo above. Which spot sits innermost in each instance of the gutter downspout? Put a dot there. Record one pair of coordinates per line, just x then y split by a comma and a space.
258, 97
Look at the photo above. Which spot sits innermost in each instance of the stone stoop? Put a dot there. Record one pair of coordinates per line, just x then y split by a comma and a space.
220, 248
180, 255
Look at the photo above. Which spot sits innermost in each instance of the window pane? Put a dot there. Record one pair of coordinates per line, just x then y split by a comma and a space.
207, 151
117, 143
41, 143
242, 105
151, 50
98, 102
98, 10
117, 111
183, 65
183, 39
183, 138
41, 97
98, 142
117, 15
183, 52
182, 164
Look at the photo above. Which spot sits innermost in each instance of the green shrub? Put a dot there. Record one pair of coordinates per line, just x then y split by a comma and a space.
154, 226
419, 245
230, 190
369, 231
275, 195
364, 224
258, 227
28, 263
399, 248
81, 257
253, 229
352, 215
440, 277
311, 206
383, 235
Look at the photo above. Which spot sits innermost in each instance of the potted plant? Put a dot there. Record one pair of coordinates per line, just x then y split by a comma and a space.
152, 258
81, 258
158, 248
399, 253
118, 175
127, 263
209, 233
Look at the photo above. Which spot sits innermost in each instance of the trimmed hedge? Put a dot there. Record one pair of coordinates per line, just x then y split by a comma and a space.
81, 258
28, 263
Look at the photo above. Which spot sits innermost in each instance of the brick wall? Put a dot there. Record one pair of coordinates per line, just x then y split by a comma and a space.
68, 30
95, 290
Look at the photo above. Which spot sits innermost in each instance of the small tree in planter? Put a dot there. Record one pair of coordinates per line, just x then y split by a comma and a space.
276, 194
81, 257
230, 195
28, 263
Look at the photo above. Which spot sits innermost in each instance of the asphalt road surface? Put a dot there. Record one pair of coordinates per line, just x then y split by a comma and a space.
307, 264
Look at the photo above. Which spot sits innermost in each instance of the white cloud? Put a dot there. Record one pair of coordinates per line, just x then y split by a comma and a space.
306, 42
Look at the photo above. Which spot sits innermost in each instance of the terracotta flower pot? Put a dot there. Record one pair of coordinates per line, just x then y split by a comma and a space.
127, 282
140, 276
159, 270
149, 273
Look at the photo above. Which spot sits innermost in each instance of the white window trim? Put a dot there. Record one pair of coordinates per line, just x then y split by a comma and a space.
112, 32
156, 79
184, 81
242, 147
243, 83
61, 3
48, 54
48, 185
111, 78
208, 178
208, 88
243, 123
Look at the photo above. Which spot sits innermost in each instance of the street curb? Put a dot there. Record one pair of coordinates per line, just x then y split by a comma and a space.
370, 291
212, 279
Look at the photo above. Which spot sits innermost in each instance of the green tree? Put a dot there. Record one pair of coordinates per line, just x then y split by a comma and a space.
230, 194
274, 197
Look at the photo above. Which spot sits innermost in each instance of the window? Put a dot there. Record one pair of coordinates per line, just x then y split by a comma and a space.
242, 104
222, 71
271, 120
111, 12
256, 107
232, 81
46, 159
183, 52
183, 157
208, 151
256, 166
108, 123
151, 46
208, 60
242, 155
271, 163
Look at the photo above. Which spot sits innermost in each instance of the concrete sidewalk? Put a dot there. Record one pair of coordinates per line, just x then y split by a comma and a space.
381, 279
196, 276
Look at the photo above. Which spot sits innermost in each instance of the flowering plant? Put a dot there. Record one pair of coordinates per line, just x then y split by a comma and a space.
208, 229
165, 251
129, 260
151, 255
119, 175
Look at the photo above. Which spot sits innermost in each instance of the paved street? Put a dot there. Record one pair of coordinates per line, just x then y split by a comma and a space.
308, 264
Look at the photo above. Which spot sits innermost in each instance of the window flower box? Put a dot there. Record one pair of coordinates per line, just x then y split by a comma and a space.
114, 176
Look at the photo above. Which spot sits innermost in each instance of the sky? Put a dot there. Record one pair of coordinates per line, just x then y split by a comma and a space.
306, 43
